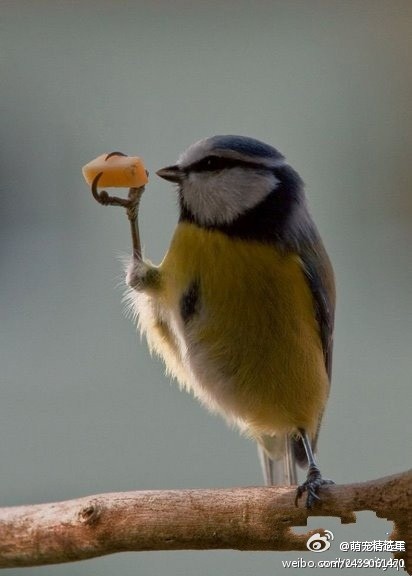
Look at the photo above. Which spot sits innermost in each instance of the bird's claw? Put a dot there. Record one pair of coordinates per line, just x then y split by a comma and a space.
130, 203
313, 483
105, 199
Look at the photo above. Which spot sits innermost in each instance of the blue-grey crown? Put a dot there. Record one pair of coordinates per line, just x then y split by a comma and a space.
233, 148
245, 145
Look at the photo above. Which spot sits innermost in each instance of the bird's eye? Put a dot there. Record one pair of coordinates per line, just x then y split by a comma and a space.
210, 163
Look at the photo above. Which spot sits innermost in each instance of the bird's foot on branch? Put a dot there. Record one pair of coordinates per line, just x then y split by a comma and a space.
311, 486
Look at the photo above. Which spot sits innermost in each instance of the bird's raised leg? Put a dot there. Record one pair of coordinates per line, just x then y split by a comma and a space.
140, 274
131, 203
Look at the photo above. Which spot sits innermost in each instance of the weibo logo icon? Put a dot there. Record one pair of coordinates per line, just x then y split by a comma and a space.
320, 543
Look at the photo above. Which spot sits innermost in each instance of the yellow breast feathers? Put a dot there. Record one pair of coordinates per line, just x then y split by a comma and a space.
234, 321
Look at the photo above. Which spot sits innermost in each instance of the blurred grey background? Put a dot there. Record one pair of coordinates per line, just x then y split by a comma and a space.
84, 409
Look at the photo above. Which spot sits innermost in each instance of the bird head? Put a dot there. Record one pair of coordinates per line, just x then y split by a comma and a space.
227, 180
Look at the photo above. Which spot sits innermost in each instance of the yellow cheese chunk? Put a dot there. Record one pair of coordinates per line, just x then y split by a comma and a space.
118, 171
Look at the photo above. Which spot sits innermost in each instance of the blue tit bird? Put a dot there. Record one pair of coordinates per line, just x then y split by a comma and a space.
241, 309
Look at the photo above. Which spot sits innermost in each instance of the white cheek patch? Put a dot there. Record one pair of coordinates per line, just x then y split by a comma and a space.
219, 198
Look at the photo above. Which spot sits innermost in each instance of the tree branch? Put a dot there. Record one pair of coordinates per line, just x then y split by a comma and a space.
237, 518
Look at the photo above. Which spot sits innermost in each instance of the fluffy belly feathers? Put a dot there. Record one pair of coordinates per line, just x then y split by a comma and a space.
234, 322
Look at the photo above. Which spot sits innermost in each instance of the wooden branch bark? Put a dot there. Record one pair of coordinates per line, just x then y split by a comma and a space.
238, 518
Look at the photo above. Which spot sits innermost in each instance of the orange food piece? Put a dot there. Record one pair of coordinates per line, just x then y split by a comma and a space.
118, 171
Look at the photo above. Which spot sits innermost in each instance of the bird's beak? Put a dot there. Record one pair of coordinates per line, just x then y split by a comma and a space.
171, 173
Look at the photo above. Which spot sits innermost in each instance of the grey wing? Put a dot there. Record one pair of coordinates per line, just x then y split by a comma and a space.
319, 273
278, 465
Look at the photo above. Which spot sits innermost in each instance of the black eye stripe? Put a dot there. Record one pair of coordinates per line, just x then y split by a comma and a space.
214, 163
